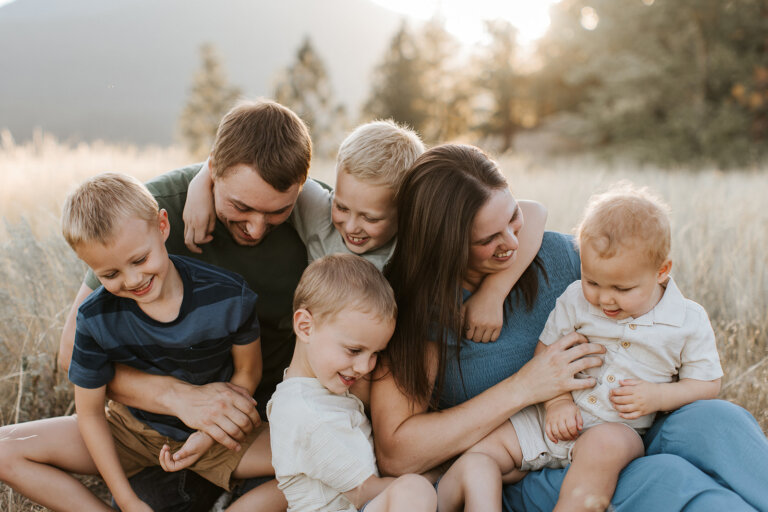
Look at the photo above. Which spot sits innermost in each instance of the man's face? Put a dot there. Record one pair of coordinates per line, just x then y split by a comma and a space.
249, 206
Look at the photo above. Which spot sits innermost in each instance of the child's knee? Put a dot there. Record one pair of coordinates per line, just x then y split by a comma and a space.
409, 490
610, 442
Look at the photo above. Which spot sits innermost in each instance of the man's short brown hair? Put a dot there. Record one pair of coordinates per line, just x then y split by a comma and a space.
266, 136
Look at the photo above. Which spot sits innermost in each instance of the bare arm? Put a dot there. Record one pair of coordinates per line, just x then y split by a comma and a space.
199, 214
67, 340
404, 432
635, 398
484, 310
248, 365
98, 438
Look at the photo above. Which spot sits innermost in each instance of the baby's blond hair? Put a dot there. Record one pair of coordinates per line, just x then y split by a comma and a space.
379, 152
626, 216
341, 281
93, 212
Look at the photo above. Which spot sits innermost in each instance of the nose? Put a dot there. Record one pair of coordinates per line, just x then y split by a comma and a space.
510, 239
256, 226
364, 364
133, 278
606, 297
350, 225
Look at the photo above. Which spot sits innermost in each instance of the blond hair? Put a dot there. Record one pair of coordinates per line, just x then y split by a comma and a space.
266, 136
627, 216
341, 281
93, 212
380, 153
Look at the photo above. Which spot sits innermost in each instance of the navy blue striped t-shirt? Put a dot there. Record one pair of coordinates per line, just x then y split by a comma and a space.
217, 311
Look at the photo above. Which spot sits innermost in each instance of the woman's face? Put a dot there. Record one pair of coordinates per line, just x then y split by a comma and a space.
493, 238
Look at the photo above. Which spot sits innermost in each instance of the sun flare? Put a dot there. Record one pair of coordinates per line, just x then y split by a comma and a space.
466, 20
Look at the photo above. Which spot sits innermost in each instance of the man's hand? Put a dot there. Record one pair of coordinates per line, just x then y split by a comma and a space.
194, 448
222, 410
635, 398
563, 421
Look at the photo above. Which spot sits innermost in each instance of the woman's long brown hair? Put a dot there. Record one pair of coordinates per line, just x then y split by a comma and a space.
437, 204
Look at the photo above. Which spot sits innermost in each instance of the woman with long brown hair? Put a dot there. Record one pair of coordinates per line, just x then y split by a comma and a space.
435, 394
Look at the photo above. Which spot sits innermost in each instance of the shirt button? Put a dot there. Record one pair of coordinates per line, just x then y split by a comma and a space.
592, 399
625, 344
632, 326
610, 378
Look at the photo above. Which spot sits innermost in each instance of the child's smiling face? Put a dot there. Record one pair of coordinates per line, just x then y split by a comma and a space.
364, 214
342, 349
624, 285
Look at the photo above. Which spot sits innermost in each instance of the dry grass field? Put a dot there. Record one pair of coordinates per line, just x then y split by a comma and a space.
720, 253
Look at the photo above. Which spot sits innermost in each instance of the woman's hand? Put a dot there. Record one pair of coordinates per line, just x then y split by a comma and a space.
199, 213
551, 371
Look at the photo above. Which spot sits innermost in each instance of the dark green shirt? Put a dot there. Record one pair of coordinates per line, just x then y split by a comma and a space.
272, 269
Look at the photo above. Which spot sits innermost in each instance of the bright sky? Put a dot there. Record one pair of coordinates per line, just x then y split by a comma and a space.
465, 19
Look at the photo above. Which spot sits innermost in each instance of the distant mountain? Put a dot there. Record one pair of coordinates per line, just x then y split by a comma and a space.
120, 69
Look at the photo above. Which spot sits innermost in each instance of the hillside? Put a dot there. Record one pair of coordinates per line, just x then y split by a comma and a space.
119, 70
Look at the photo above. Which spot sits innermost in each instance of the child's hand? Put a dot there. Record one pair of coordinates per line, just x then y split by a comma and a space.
199, 214
483, 317
563, 421
195, 446
635, 398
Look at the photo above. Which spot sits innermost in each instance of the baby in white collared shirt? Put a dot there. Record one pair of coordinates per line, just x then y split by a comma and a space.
660, 355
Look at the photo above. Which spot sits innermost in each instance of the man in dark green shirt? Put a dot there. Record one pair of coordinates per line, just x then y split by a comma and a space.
259, 162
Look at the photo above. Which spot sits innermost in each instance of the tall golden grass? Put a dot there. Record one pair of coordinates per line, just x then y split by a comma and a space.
720, 253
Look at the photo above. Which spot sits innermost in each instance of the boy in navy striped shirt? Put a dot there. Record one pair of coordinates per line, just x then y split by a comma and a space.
161, 314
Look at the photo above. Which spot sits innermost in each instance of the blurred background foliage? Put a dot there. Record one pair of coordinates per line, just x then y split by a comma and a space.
667, 82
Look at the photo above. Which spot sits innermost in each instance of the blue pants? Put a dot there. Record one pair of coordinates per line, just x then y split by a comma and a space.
708, 455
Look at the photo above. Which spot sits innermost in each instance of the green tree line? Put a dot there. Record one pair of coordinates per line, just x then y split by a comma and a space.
664, 81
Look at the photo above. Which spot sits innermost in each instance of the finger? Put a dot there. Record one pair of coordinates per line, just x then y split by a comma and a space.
582, 383
189, 240
469, 332
631, 415
550, 434
625, 408
621, 400
569, 340
202, 237
573, 428
583, 364
495, 334
211, 226
622, 391
221, 437
630, 382
579, 421
584, 349
487, 335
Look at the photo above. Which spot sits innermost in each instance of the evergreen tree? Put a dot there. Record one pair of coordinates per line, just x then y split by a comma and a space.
447, 87
305, 88
502, 86
397, 90
209, 99
668, 80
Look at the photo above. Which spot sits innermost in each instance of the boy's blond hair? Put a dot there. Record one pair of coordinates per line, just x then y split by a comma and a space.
380, 153
93, 212
267, 136
341, 281
627, 216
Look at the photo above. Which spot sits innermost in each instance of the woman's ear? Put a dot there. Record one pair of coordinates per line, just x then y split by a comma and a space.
302, 324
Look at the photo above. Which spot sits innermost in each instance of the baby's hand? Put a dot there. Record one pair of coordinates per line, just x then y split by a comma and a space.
199, 214
563, 421
483, 317
195, 446
635, 398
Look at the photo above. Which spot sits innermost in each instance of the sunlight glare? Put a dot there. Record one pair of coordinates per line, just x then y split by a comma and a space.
466, 20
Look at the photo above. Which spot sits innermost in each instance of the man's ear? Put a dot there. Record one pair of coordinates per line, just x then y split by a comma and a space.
163, 223
664, 271
303, 323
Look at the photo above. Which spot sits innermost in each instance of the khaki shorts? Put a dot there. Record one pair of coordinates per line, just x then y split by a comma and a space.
138, 446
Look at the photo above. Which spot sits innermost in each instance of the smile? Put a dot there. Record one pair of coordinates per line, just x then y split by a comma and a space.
347, 381
143, 290
503, 255
357, 240
611, 312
